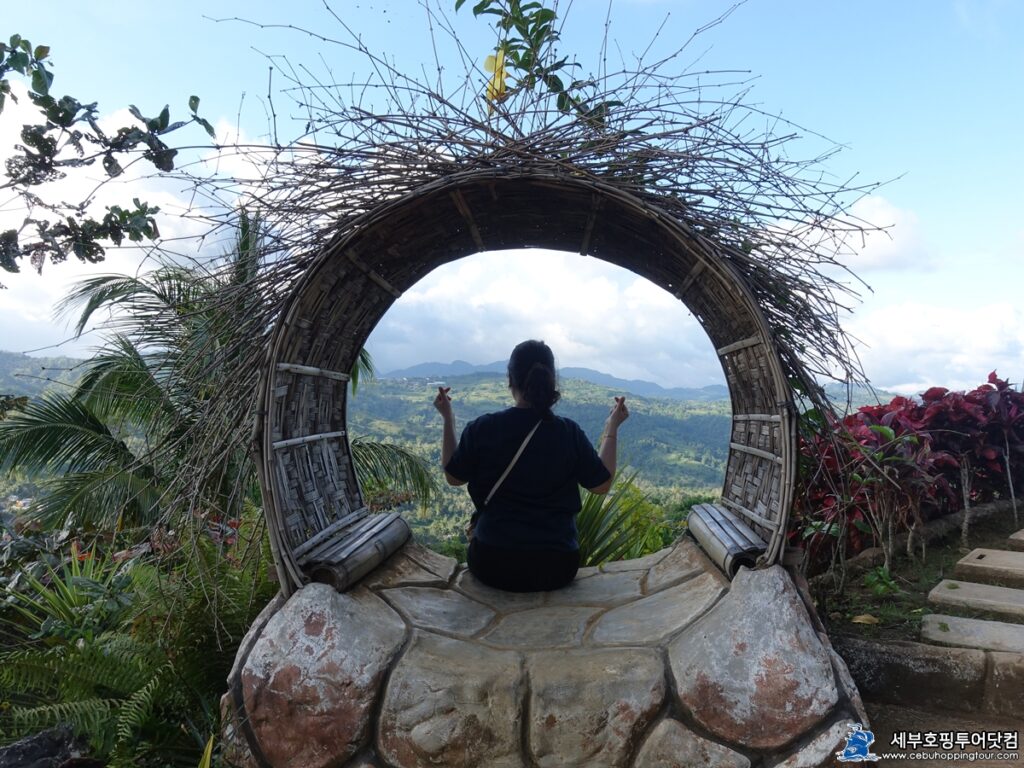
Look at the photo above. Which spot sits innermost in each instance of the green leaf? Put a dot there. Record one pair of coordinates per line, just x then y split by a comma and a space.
395, 467
164, 119
41, 80
136, 113
459, 4
554, 84
41, 52
193, 103
886, 432
207, 759
18, 61
209, 128
111, 166
861, 526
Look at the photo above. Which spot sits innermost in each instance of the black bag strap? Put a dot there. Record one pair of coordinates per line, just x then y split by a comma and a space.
511, 464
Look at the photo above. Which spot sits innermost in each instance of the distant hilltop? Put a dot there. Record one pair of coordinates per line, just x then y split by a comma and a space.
437, 373
441, 371
24, 375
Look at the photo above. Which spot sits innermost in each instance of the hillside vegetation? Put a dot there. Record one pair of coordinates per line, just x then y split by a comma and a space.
31, 376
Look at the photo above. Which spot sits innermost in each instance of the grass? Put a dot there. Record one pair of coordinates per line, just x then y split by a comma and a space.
899, 600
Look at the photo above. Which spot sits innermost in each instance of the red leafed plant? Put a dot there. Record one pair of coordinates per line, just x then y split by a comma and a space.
888, 468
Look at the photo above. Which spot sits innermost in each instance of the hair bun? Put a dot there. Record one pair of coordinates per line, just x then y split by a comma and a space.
531, 370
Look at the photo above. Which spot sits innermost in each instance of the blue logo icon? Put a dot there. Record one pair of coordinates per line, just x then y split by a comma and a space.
858, 746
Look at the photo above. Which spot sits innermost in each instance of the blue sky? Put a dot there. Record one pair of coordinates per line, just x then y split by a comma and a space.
925, 93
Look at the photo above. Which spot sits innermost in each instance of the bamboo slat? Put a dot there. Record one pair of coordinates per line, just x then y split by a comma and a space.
309, 370
307, 439
327, 533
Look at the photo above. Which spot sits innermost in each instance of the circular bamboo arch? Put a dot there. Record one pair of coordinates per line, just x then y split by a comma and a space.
306, 472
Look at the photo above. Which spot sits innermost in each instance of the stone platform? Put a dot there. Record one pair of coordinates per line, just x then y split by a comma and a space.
650, 663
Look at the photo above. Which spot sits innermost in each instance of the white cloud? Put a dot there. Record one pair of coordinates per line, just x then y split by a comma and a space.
911, 346
592, 314
896, 241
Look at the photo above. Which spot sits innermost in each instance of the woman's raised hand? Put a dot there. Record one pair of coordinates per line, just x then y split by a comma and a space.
619, 412
443, 401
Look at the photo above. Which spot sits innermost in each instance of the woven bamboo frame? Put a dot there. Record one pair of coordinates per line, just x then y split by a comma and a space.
309, 483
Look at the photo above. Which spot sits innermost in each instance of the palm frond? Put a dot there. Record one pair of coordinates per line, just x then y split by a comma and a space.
138, 707
103, 498
386, 465
31, 670
120, 383
363, 370
163, 293
59, 431
247, 254
87, 717
609, 526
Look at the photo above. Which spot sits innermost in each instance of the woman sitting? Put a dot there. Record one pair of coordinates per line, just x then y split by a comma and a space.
524, 466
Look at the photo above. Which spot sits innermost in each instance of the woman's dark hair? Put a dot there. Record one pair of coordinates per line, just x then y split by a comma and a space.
531, 370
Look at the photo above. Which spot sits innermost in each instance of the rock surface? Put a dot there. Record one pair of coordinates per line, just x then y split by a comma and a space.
901, 672
652, 619
441, 609
821, 750
753, 671
673, 745
51, 748
312, 678
586, 707
422, 665
455, 703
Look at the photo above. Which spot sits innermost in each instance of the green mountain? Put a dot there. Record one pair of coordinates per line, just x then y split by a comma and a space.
23, 375
632, 386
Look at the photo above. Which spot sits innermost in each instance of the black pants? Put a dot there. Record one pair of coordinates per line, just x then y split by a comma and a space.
517, 570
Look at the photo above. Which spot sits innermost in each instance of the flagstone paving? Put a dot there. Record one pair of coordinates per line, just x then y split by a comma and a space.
638, 664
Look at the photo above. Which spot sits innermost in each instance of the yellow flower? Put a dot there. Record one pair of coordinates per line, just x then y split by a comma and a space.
496, 87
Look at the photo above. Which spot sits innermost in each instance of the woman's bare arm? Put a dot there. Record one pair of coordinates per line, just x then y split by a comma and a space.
608, 448
443, 403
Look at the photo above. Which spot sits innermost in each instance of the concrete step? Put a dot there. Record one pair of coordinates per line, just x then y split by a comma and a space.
1016, 540
973, 633
1005, 601
992, 566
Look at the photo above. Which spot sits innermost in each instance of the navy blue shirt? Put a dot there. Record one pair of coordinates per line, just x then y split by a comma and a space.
536, 505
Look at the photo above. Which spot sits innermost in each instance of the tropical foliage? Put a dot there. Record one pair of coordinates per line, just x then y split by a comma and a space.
132, 654
886, 469
618, 525
111, 447
526, 49
130, 639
